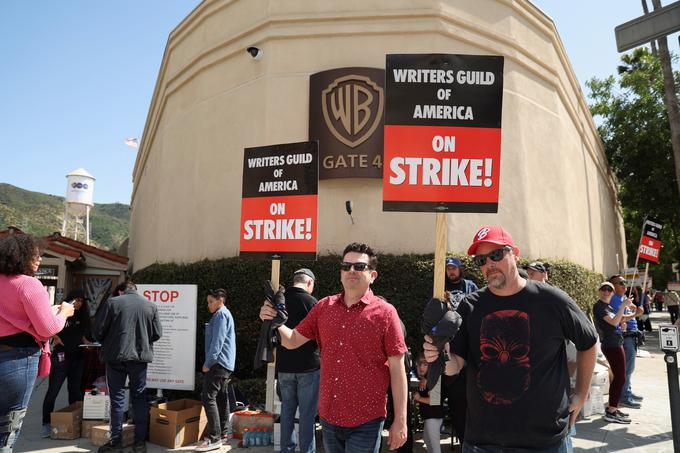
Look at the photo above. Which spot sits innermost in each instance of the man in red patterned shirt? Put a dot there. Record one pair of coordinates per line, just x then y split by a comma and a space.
362, 352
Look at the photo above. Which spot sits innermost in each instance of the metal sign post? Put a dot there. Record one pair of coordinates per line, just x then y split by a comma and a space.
668, 340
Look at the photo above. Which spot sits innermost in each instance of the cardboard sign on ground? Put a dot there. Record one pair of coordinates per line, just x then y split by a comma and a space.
65, 422
442, 148
177, 423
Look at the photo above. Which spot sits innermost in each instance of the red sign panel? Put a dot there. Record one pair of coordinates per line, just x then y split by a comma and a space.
279, 204
442, 164
650, 249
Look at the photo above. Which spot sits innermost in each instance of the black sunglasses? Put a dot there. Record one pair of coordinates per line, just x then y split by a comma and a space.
606, 289
359, 267
496, 255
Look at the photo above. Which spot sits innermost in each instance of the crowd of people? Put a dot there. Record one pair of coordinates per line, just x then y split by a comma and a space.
502, 371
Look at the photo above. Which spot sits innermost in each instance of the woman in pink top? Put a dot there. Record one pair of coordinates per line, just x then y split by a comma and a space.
26, 317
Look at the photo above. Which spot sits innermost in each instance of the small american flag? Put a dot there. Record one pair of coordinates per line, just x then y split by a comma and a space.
132, 142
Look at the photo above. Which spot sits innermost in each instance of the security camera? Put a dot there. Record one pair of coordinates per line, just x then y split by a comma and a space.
255, 52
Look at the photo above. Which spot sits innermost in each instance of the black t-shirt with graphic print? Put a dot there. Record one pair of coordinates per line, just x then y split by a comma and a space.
517, 378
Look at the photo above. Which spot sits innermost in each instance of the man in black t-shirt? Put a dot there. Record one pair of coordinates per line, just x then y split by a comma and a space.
512, 341
298, 370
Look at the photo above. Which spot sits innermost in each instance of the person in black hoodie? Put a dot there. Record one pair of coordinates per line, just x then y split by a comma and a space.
67, 356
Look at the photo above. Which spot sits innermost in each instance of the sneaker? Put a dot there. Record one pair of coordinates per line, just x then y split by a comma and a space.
139, 447
622, 414
613, 417
630, 404
111, 447
637, 398
209, 445
46, 429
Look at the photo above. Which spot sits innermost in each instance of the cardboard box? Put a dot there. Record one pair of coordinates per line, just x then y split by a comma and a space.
100, 435
86, 427
177, 423
66, 422
98, 407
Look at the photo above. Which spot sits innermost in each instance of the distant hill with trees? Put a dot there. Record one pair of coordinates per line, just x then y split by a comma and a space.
42, 214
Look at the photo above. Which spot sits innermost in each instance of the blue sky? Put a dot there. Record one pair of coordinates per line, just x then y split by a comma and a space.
77, 77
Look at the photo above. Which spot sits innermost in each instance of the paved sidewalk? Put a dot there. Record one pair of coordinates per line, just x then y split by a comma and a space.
650, 430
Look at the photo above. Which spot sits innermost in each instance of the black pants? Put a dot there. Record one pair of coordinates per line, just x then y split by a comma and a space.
454, 386
673, 310
215, 399
63, 367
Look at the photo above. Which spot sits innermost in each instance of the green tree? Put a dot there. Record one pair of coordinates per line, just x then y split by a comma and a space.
633, 124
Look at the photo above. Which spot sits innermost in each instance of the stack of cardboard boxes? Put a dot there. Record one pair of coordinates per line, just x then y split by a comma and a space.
173, 424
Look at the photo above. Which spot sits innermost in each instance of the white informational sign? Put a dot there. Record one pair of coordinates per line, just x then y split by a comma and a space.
668, 338
175, 353
673, 286
636, 277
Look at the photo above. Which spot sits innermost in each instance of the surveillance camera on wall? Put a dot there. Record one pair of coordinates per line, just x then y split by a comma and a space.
255, 52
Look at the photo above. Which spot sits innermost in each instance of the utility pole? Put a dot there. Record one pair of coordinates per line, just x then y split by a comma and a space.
670, 98
646, 11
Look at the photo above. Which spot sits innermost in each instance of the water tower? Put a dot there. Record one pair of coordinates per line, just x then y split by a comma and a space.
79, 191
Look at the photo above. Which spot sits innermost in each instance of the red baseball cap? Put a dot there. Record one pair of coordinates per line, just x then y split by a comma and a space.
494, 234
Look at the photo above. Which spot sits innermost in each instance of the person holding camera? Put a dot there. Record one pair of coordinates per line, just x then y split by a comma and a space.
362, 352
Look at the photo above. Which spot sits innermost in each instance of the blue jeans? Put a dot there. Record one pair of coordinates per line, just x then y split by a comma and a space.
115, 378
215, 398
298, 389
358, 439
570, 434
18, 370
630, 348
560, 447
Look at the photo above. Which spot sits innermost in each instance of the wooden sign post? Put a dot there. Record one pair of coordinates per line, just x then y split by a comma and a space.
271, 367
439, 256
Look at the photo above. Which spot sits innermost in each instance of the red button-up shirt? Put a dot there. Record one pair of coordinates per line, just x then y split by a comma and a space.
354, 343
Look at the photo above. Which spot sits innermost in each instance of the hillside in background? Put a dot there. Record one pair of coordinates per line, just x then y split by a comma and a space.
41, 214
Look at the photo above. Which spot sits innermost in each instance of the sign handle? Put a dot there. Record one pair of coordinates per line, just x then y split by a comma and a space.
271, 367
644, 280
439, 256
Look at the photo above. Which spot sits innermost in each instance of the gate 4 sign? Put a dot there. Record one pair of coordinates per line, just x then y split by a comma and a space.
650, 244
442, 133
279, 205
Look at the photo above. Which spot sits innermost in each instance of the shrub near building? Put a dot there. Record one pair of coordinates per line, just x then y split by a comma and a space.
404, 280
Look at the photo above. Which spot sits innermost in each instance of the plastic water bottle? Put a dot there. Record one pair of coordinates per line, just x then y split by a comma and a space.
258, 438
270, 436
246, 438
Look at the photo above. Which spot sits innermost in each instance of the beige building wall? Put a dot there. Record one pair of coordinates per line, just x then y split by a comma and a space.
557, 195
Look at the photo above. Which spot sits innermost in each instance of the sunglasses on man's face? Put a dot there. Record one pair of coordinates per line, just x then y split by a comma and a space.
620, 283
359, 267
606, 289
496, 255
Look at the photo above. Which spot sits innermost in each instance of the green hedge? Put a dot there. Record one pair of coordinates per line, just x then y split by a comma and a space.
404, 280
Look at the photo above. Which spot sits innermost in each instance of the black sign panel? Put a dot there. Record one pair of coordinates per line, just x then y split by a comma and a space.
652, 228
444, 90
286, 169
